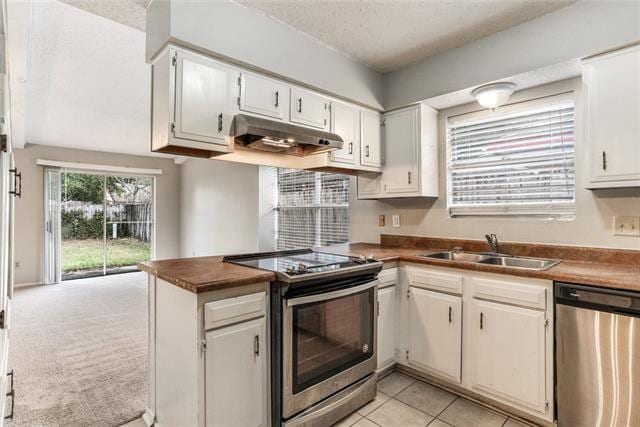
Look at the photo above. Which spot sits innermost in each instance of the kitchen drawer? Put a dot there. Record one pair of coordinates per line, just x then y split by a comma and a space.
435, 280
234, 310
387, 277
510, 292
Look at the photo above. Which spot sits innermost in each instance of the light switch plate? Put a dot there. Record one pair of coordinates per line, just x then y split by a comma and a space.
395, 219
626, 226
381, 220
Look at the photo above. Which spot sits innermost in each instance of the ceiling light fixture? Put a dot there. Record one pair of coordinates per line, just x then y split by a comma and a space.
493, 95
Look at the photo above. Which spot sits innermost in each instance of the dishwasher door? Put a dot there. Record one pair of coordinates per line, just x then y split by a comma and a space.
597, 357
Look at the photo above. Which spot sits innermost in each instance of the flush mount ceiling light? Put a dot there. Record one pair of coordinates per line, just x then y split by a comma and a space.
493, 95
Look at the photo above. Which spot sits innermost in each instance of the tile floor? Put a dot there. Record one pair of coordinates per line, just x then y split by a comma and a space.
404, 402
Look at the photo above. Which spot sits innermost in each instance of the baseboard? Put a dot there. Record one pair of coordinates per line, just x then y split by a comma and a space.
26, 284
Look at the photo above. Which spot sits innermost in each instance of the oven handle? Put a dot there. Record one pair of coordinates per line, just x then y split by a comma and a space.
332, 295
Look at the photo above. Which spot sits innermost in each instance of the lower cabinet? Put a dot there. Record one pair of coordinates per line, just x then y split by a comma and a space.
236, 375
435, 332
509, 353
387, 326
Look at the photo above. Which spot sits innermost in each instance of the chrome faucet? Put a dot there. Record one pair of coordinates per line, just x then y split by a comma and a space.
493, 243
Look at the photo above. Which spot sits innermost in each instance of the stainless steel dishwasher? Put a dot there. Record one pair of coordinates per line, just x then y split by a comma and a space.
597, 356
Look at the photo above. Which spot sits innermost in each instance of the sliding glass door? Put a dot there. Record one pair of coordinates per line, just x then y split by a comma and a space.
97, 224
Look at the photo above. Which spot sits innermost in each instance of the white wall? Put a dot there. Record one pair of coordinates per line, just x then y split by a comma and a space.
219, 204
29, 210
592, 226
576, 31
246, 36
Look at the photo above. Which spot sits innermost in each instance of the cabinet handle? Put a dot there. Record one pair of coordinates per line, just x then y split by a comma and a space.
366, 151
219, 122
450, 312
277, 98
351, 148
604, 160
409, 177
481, 320
256, 345
17, 183
299, 105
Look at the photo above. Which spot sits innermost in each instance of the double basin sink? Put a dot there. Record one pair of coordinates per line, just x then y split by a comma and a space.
538, 264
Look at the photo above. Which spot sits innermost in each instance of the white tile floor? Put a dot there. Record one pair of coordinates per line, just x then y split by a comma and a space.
404, 402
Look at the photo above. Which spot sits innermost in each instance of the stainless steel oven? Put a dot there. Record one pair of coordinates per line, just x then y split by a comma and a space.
329, 343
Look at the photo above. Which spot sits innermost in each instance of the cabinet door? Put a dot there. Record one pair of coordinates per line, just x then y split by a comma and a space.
203, 99
387, 326
508, 353
402, 145
613, 108
371, 141
310, 109
369, 185
435, 332
345, 121
236, 375
263, 96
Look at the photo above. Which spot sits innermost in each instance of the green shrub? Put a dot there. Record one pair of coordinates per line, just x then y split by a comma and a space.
76, 226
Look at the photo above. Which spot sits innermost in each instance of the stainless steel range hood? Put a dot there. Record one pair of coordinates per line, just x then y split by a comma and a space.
279, 137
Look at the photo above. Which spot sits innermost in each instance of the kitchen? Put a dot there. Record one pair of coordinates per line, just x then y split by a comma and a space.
445, 238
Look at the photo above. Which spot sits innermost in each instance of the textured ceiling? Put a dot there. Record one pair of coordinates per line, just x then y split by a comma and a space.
390, 34
128, 12
88, 85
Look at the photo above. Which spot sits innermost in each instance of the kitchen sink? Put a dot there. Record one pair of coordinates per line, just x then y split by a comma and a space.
458, 256
504, 261
518, 262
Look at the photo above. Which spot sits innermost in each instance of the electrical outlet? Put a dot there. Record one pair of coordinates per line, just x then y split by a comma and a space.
626, 226
381, 220
396, 221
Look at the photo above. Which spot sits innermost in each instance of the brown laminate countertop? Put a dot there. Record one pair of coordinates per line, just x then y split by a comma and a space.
206, 274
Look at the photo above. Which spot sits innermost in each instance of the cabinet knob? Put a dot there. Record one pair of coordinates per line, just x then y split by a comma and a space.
604, 160
299, 105
219, 122
409, 177
481, 320
277, 101
256, 345
366, 151
450, 315
351, 148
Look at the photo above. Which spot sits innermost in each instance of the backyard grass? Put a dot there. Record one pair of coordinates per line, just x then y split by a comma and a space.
87, 254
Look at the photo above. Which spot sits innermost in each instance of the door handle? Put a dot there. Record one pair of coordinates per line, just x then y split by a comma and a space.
604, 161
450, 315
351, 148
299, 105
220, 123
277, 98
17, 183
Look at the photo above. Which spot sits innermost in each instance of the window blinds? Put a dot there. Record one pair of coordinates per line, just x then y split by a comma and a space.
518, 162
311, 209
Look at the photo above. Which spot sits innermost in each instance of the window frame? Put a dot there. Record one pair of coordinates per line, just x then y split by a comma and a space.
546, 210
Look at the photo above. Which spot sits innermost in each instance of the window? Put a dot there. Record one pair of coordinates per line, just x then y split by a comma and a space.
311, 208
518, 160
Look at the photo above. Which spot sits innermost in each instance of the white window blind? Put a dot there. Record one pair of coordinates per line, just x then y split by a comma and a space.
518, 160
311, 209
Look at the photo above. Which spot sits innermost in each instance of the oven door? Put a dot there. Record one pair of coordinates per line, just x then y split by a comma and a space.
329, 343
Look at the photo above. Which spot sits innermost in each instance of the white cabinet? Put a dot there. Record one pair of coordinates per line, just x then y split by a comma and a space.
345, 121
410, 155
371, 143
612, 128
236, 380
435, 332
508, 345
263, 96
309, 109
387, 326
192, 104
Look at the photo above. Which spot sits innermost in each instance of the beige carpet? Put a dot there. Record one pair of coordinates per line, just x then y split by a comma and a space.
79, 352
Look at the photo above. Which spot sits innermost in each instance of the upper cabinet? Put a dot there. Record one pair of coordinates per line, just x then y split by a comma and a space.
371, 146
612, 128
310, 109
263, 96
345, 121
192, 104
410, 167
